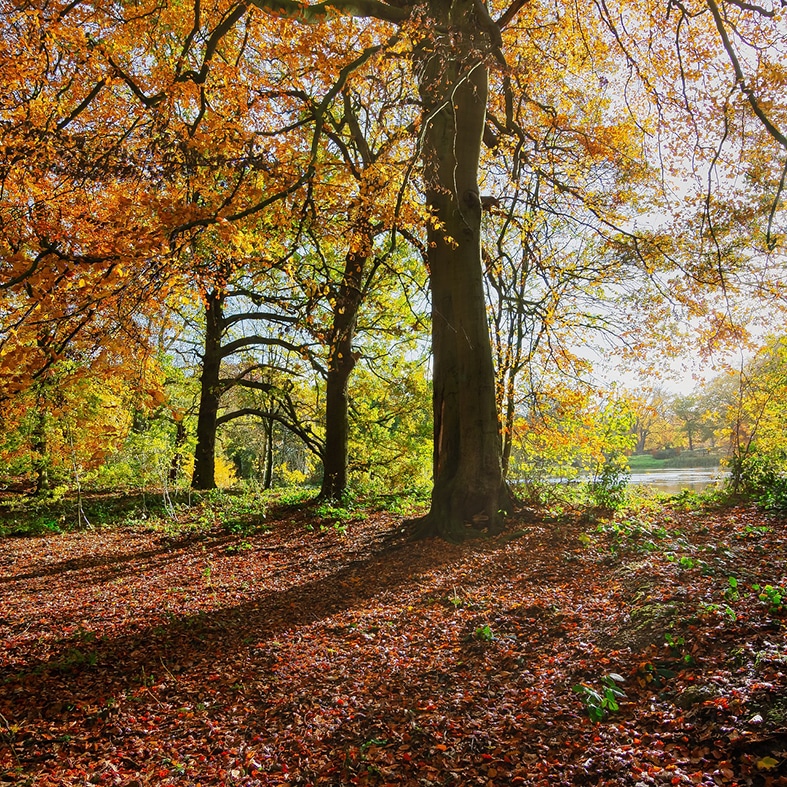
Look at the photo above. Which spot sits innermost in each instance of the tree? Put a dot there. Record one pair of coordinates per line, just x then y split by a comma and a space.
78, 413
469, 486
569, 430
351, 240
649, 409
219, 348
117, 154
453, 44
756, 418
691, 411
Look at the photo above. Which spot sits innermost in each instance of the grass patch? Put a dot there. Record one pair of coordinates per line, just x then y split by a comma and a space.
644, 462
640, 462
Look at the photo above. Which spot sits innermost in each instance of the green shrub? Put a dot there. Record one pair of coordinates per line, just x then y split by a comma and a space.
608, 488
762, 478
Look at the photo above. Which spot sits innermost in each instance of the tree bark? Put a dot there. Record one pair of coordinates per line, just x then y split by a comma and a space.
340, 366
469, 487
642, 438
204, 476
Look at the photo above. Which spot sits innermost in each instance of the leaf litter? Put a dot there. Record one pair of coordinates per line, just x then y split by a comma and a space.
553, 654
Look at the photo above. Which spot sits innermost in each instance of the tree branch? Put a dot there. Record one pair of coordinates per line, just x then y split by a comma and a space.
215, 38
256, 385
269, 316
314, 14
508, 15
148, 101
740, 78
262, 341
82, 105
306, 436
757, 9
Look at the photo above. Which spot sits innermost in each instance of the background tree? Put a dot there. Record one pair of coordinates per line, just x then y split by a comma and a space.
756, 419
649, 408
78, 413
567, 432
219, 348
689, 410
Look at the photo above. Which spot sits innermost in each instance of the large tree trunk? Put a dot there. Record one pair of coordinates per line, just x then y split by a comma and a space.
340, 366
334, 477
469, 488
204, 476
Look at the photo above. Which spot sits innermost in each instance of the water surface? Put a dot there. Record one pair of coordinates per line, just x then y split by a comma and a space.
674, 480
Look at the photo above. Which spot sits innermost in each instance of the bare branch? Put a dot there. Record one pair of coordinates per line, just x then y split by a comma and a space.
259, 341
266, 316
223, 28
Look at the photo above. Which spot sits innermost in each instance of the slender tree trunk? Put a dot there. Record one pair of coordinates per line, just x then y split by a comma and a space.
177, 457
39, 446
642, 438
268, 478
508, 422
204, 476
38, 436
469, 488
340, 366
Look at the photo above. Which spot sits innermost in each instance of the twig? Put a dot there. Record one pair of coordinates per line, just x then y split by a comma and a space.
10, 736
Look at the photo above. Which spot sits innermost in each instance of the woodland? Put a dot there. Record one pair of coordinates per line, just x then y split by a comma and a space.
329, 335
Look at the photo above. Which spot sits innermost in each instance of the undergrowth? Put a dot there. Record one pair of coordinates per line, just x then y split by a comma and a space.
241, 511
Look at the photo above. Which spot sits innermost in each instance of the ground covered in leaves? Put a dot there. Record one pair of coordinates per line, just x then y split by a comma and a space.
294, 652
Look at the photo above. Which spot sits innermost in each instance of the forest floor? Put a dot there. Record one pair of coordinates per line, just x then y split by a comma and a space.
300, 652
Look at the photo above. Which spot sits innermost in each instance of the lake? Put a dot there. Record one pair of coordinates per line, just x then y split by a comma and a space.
674, 480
